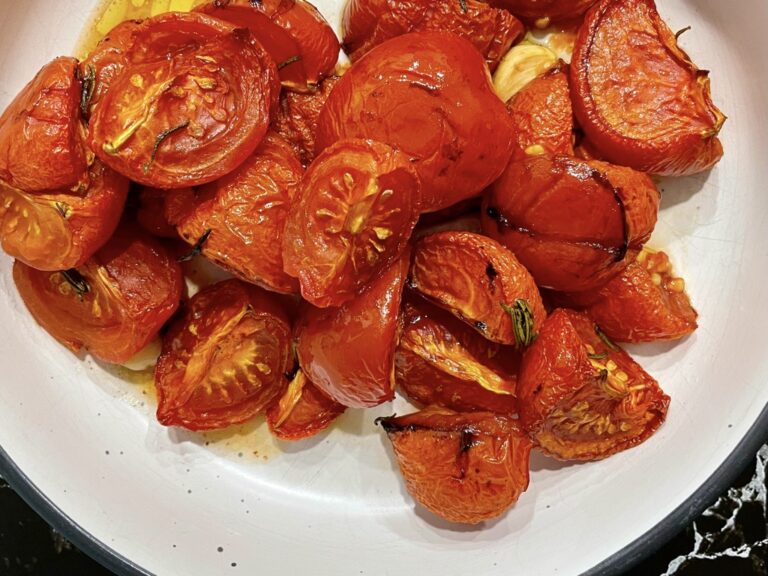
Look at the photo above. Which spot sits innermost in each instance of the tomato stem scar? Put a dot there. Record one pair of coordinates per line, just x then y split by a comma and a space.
159, 141
197, 248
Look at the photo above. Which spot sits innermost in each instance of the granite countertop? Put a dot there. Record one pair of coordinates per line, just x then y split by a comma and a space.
729, 539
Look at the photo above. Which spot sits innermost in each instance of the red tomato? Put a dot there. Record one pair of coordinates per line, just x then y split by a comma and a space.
571, 222
465, 468
151, 213
114, 304
638, 97
582, 397
348, 352
61, 230
357, 206
441, 361
225, 359
481, 283
187, 102
429, 95
302, 411
551, 10
368, 23
245, 212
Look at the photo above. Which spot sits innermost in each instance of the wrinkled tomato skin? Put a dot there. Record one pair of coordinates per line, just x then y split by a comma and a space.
246, 212
542, 116
188, 100
429, 95
134, 287
638, 97
356, 208
62, 230
41, 136
225, 359
368, 23
554, 10
581, 399
302, 411
150, 214
441, 361
475, 278
348, 352
571, 222
465, 468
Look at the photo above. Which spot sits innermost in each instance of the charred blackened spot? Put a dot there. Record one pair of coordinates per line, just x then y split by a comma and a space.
467, 440
494, 214
491, 272
537, 390
482, 326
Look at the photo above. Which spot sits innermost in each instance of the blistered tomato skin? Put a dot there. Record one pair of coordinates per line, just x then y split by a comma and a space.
356, 208
225, 359
550, 10
188, 99
571, 222
348, 352
481, 283
582, 397
429, 95
369, 23
465, 468
638, 97
114, 304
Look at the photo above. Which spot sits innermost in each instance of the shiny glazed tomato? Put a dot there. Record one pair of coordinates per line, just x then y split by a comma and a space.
356, 209
114, 304
429, 95
582, 397
481, 283
225, 359
464, 468
41, 135
62, 230
637, 95
187, 100
551, 10
151, 213
245, 212
302, 411
441, 361
348, 352
368, 23
571, 222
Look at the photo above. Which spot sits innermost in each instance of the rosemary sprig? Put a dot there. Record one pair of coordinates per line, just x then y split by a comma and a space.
86, 93
197, 248
605, 339
289, 61
463, 5
159, 142
601, 356
522, 322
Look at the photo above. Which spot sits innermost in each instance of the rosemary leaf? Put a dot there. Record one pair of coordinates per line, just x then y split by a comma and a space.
159, 142
289, 61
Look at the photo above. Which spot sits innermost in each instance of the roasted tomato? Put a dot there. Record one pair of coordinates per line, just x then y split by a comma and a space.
188, 101
637, 95
442, 361
480, 282
463, 467
225, 359
368, 23
296, 118
302, 411
294, 33
348, 352
569, 221
542, 116
41, 135
357, 206
242, 215
114, 304
61, 230
645, 303
429, 95
545, 11
582, 397
151, 213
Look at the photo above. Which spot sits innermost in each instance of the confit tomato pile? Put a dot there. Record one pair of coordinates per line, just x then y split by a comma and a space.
460, 215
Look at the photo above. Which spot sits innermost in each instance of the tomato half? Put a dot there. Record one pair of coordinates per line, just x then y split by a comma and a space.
481, 283
150, 214
225, 359
639, 98
441, 361
61, 230
429, 95
348, 352
368, 23
581, 396
548, 10
357, 206
464, 468
571, 222
114, 304
188, 101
